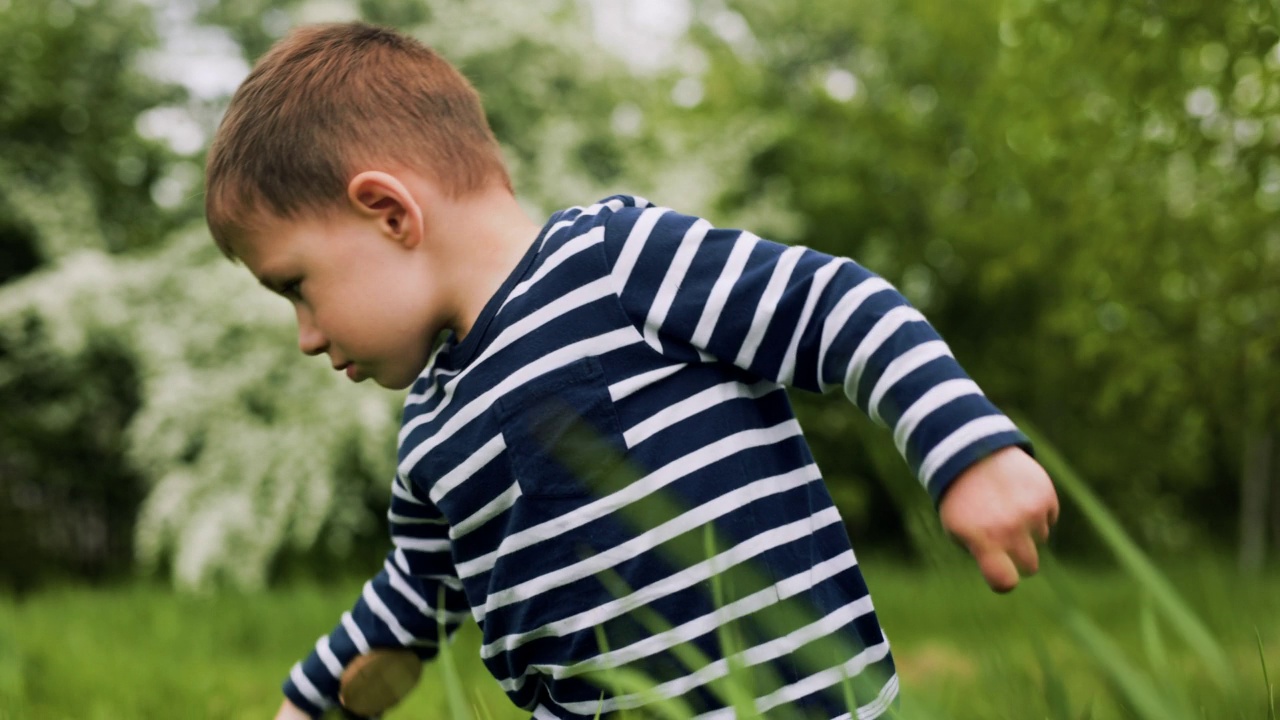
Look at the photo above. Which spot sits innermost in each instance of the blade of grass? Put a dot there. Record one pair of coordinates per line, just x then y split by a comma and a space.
850, 698
1138, 689
1135, 562
1056, 699
736, 684
458, 708
481, 707
622, 681
625, 681
1157, 653
1152, 641
1266, 678
602, 644
686, 652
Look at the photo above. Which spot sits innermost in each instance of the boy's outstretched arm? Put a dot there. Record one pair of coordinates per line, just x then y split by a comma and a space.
999, 509
398, 609
798, 317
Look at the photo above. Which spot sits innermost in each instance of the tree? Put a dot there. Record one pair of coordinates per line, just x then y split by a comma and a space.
1080, 195
74, 173
71, 95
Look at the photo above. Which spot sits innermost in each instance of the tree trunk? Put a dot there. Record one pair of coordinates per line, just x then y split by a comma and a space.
1255, 506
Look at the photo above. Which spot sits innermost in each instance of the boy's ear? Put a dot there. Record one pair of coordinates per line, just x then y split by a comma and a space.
382, 197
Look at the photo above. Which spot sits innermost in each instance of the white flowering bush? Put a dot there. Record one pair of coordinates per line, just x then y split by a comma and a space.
248, 447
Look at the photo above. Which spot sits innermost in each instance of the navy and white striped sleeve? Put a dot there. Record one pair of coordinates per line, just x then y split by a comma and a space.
806, 319
398, 608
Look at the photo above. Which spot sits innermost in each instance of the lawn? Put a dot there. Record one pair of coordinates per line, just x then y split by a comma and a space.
140, 651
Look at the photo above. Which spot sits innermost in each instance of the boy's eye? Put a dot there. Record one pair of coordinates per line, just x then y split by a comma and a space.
291, 289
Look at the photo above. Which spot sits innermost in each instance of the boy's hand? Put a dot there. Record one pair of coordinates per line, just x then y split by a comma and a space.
378, 680
999, 509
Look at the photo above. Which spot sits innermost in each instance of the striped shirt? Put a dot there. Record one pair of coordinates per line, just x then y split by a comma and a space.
606, 474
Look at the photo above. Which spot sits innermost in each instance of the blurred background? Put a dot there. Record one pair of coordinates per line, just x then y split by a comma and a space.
1082, 196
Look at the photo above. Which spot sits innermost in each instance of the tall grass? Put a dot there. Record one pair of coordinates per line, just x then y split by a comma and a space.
141, 652
1074, 643
1145, 689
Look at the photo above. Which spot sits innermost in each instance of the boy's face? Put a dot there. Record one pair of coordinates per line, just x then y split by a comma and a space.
361, 295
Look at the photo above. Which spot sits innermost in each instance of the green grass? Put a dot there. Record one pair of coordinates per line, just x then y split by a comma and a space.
972, 654
963, 652
1122, 641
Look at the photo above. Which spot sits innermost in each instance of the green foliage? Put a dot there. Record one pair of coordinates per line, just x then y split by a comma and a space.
69, 98
74, 173
574, 124
64, 513
1081, 196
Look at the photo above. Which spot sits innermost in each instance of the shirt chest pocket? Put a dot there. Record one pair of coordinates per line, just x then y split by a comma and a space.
562, 433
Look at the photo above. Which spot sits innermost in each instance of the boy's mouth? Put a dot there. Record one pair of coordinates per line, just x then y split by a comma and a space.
349, 368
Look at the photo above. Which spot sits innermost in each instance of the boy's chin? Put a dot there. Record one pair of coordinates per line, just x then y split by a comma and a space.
395, 382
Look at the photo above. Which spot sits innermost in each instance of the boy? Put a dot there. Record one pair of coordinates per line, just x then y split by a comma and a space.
355, 175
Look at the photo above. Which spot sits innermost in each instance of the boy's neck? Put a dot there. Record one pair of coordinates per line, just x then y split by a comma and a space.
480, 238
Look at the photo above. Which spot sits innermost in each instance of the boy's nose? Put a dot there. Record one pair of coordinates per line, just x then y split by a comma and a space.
311, 343
310, 340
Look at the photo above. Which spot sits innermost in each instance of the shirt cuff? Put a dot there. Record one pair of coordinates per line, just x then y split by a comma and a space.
303, 692
957, 464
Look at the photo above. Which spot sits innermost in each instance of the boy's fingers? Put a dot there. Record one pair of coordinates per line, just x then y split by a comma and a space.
1042, 530
1024, 555
998, 569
